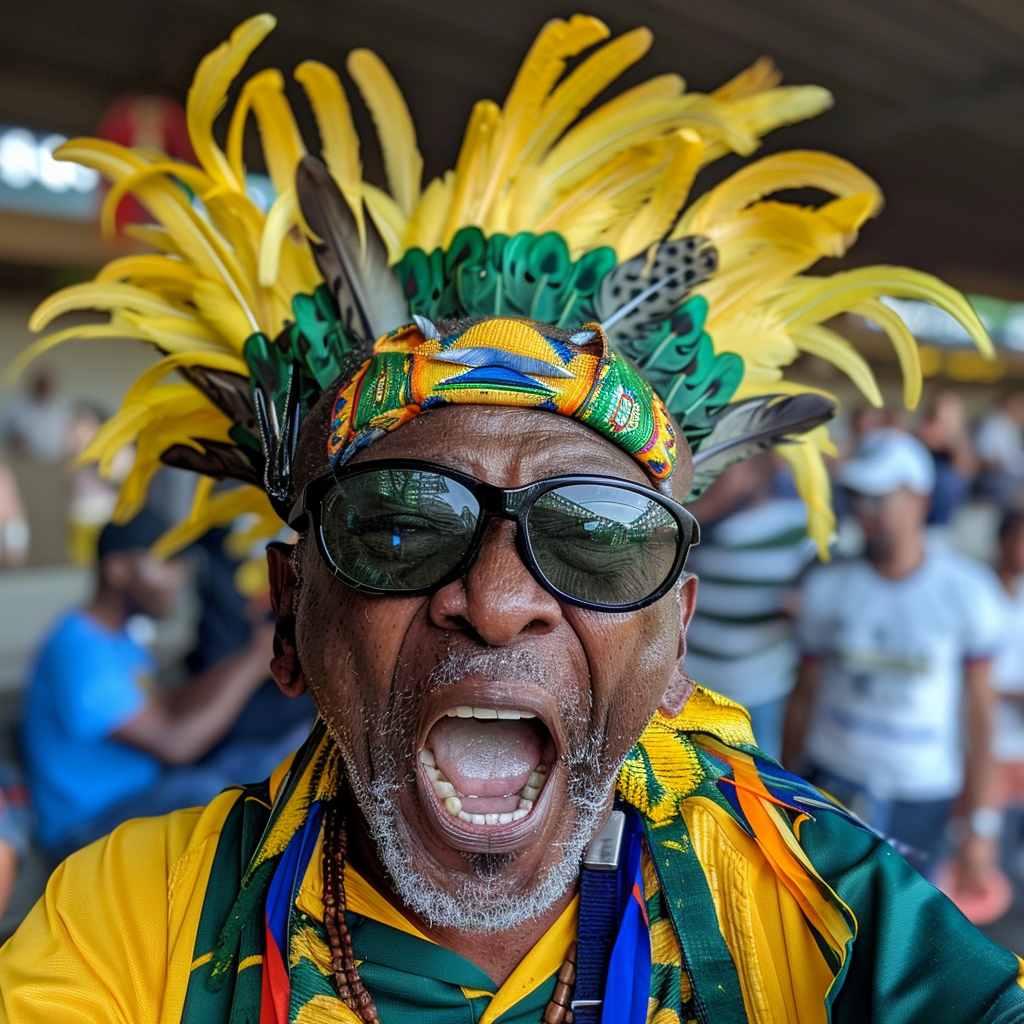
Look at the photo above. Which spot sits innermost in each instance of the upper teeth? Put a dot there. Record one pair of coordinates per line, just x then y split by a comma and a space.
465, 711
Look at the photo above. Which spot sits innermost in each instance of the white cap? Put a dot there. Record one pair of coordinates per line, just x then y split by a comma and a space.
887, 460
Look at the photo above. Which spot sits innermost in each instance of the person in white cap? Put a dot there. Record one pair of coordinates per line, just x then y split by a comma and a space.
892, 711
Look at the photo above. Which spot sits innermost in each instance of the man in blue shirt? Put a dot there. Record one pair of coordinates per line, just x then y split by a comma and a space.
101, 743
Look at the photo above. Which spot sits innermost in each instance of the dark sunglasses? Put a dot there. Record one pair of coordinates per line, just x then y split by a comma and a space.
408, 527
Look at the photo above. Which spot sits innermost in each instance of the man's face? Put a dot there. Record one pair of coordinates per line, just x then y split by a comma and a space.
890, 520
150, 585
490, 690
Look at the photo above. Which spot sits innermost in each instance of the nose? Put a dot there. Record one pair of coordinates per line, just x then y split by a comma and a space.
498, 598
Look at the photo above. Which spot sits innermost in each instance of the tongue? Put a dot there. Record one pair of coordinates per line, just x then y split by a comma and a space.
486, 758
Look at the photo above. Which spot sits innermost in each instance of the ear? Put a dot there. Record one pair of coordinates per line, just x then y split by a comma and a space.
284, 666
680, 687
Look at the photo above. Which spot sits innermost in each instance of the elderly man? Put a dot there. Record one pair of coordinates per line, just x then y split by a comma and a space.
515, 806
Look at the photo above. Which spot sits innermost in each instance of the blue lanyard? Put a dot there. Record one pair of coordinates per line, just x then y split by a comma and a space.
613, 946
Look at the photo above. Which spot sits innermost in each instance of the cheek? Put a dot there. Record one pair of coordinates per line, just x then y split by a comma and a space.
632, 658
348, 645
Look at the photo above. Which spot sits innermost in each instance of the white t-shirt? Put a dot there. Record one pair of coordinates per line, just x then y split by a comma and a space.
888, 713
1008, 678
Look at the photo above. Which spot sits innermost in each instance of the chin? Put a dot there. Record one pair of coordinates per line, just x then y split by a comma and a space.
486, 826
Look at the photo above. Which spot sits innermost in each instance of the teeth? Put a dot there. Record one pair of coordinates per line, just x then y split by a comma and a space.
525, 805
529, 793
478, 819
444, 789
426, 757
492, 819
487, 714
453, 805
537, 780
516, 815
505, 819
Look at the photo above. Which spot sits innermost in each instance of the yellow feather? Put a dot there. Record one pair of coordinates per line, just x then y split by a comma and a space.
812, 484
427, 221
44, 344
577, 90
192, 235
196, 180
402, 160
826, 344
468, 168
545, 63
281, 142
339, 142
791, 170
762, 247
208, 94
388, 218
762, 74
814, 300
221, 509
210, 360
153, 270
903, 342
103, 295
654, 219
173, 336
282, 217
218, 308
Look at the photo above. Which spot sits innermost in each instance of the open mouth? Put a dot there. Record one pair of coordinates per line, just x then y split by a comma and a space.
487, 767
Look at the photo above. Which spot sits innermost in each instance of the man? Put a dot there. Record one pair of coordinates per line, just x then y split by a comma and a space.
515, 807
897, 650
754, 547
101, 744
1000, 446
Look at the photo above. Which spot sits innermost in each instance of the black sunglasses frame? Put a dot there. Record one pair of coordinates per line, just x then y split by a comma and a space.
513, 504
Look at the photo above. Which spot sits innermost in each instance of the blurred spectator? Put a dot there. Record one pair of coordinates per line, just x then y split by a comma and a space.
15, 832
1000, 445
36, 425
896, 669
1008, 677
14, 528
944, 433
754, 545
101, 745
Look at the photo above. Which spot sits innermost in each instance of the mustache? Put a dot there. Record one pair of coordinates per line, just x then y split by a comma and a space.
519, 663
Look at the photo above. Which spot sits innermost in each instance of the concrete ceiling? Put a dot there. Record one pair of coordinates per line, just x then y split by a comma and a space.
929, 93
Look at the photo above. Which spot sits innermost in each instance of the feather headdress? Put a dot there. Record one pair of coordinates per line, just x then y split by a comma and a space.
547, 214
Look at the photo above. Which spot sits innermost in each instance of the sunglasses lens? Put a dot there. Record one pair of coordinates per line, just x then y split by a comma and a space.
603, 544
398, 529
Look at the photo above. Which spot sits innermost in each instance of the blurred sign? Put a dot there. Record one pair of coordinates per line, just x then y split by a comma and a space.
1004, 321
32, 181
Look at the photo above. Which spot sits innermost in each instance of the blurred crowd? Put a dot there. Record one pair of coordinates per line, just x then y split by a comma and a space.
106, 731
892, 675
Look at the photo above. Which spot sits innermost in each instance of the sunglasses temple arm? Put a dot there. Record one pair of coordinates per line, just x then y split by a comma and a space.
298, 517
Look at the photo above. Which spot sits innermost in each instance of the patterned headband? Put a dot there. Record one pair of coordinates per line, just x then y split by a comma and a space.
504, 361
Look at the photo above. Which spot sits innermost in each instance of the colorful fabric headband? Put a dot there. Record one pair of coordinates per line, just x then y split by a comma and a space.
504, 361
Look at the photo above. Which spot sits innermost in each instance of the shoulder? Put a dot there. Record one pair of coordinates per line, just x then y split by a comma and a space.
113, 935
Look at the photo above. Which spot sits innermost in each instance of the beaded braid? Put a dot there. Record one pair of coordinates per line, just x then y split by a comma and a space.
346, 974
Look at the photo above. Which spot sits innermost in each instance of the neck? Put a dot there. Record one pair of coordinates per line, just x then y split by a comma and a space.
495, 953
903, 559
109, 608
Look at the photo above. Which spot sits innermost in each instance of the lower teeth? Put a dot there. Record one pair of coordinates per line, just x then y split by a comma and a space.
453, 803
